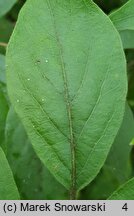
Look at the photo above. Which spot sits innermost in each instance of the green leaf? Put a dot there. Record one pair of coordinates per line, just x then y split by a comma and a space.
127, 37
125, 192
3, 99
119, 157
123, 18
116, 169
66, 79
16, 9
8, 189
32, 178
5, 6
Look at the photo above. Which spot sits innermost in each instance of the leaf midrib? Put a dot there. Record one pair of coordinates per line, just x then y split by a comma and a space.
68, 106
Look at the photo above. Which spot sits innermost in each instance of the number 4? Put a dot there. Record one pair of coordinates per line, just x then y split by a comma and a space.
125, 207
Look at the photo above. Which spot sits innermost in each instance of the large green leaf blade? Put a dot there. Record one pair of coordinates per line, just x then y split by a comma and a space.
125, 192
5, 6
8, 189
67, 81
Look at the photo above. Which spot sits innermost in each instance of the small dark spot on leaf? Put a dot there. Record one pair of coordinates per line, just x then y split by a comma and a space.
37, 61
